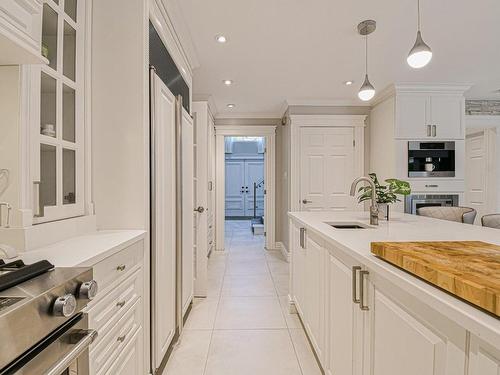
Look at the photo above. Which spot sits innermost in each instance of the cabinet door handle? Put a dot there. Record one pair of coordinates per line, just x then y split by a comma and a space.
355, 270
362, 305
302, 237
434, 130
429, 131
37, 203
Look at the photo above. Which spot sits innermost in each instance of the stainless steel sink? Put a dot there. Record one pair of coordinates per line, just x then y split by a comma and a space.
349, 225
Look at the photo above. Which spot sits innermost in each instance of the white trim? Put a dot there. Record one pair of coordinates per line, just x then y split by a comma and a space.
248, 115
281, 246
269, 132
327, 103
357, 122
329, 120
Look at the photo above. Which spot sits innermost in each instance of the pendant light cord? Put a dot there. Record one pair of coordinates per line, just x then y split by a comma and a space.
366, 54
418, 14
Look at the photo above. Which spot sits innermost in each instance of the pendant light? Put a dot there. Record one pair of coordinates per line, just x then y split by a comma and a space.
421, 53
367, 91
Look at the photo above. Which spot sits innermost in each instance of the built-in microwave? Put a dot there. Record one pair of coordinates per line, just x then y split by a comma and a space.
431, 159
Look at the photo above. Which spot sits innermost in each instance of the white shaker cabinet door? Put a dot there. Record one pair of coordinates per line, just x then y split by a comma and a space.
413, 116
407, 337
484, 359
447, 114
344, 321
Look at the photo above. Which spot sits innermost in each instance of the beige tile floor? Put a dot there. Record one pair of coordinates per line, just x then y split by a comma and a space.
243, 327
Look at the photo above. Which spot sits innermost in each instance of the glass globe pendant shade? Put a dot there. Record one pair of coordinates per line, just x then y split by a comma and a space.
367, 91
420, 54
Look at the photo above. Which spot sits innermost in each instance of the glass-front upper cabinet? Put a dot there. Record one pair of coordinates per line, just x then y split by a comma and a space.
58, 170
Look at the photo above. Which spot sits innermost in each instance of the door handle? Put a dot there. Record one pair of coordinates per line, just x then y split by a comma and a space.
302, 237
362, 305
428, 130
200, 209
305, 201
37, 203
355, 270
434, 130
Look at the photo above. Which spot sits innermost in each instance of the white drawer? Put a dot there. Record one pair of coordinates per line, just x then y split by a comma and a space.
130, 359
117, 266
110, 346
437, 185
104, 313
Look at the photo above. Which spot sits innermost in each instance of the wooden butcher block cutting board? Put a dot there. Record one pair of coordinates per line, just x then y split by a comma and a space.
468, 269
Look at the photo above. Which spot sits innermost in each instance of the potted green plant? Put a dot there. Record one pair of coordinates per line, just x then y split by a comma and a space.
386, 194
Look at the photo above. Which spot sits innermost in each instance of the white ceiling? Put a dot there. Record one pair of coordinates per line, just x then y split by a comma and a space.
303, 51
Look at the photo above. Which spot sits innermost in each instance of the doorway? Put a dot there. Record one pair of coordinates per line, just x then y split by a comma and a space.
245, 182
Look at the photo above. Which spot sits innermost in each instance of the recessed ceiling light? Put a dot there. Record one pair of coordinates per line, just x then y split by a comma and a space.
221, 38
348, 83
231, 106
228, 82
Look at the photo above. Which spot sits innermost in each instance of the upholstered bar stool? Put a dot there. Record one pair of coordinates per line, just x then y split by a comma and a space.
491, 221
459, 214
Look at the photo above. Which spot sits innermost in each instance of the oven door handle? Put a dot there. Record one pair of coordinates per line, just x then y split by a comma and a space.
86, 338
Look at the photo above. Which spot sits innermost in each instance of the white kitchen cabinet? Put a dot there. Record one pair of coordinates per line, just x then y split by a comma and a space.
129, 362
20, 32
314, 294
343, 323
298, 268
484, 359
425, 112
412, 116
404, 336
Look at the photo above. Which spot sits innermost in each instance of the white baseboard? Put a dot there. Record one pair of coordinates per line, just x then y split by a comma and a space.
283, 250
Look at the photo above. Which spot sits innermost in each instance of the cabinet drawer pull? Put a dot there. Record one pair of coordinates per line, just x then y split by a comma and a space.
355, 270
121, 304
121, 267
362, 305
431, 186
121, 338
302, 237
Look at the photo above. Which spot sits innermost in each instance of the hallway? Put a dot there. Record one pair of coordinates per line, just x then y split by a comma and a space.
243, 327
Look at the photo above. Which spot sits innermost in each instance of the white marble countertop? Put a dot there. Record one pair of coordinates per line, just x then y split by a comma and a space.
84, 250
403, 227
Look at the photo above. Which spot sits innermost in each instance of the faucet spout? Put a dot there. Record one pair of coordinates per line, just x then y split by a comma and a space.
374, 204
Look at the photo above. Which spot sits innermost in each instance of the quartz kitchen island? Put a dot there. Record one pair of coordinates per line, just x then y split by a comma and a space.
366, 316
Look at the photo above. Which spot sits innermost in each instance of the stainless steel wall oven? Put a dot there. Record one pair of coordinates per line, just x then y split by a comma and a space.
414, 202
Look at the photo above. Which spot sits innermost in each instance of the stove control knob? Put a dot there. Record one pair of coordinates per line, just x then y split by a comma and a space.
65, 305
88, 290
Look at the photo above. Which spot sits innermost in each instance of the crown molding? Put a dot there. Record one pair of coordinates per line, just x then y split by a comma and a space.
327, 103
329, 120
248, 115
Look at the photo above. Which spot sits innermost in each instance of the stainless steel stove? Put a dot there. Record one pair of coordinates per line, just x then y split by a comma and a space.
43, 329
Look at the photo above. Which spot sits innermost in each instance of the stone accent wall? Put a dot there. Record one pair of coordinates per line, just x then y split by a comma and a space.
482, 107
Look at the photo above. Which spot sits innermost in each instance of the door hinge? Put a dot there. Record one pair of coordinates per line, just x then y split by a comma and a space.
265, 150
265, 191
353, 143
265, 234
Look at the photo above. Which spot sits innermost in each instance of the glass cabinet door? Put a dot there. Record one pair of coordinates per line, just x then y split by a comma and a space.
58, 183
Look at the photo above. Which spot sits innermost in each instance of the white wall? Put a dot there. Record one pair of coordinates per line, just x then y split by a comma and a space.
120, 126
483, 122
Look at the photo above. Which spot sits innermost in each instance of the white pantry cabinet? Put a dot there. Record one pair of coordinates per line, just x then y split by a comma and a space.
20, 32
430, 116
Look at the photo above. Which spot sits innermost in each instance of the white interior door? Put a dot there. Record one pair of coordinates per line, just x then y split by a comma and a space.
475, 173
235, 188
187, 211
254, 172
201, 173
163, 223
326, 168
